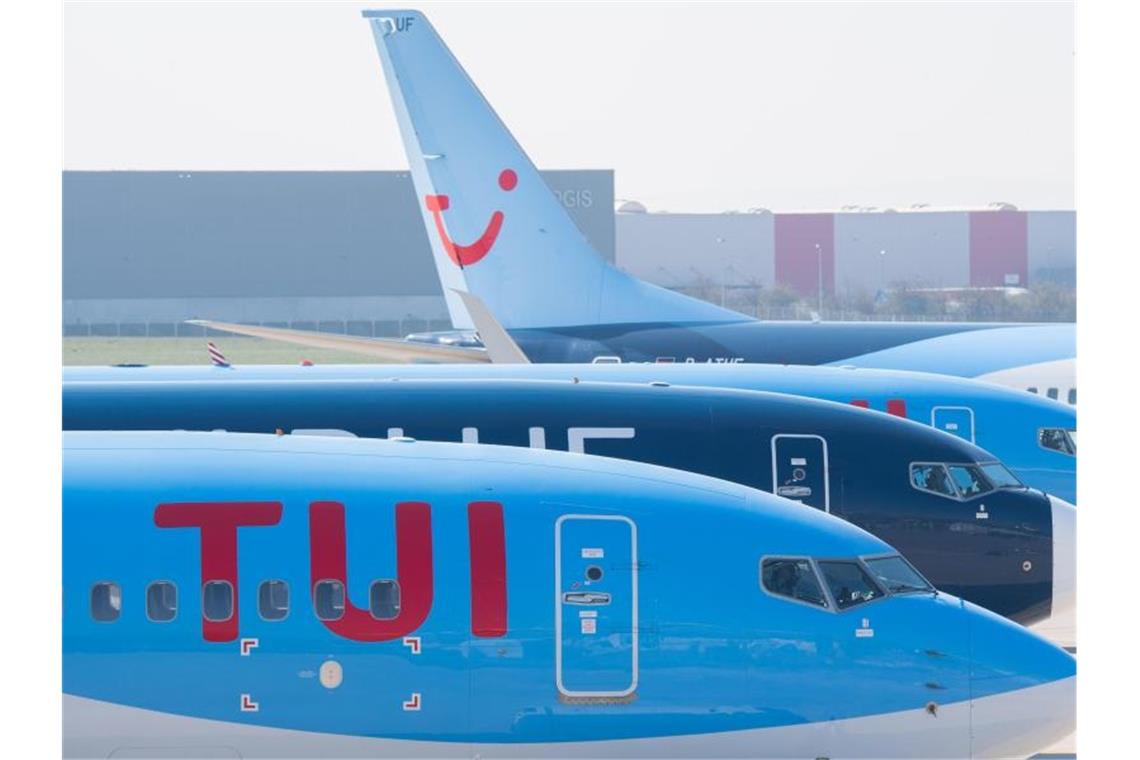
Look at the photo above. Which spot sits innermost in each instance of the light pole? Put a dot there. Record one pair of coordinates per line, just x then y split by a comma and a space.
882, 271
723, 272
819, 278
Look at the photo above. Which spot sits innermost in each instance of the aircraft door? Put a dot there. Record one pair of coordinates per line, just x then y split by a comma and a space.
956, 420
595, 581
799, 469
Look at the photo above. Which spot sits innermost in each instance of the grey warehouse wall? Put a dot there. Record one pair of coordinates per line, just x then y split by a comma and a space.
266, 246
1052, 243
920, 249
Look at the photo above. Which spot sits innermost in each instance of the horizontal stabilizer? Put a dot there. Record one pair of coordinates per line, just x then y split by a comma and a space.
500, 346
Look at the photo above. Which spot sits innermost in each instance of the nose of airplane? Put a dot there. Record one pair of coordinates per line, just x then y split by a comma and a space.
1023, 687
1064, 558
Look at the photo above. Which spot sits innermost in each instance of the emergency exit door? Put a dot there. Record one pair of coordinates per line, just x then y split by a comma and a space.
799, 469
595, 583
956, 420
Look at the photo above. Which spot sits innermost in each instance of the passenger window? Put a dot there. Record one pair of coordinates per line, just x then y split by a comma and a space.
217, 601
849, 583
161, 601
384, 599
273, 600
1057, 439
793, 578
1073, 396
969, 480
1052, 393
328, 600
933, 478
106, 602
1032, 389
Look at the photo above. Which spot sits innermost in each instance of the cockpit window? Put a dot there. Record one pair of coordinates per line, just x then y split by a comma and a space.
1058, 439
897, 576
849, 583
793, 578
998, 474
969, 480
932, 477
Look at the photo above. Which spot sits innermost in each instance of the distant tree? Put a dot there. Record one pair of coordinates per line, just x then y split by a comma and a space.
779, 296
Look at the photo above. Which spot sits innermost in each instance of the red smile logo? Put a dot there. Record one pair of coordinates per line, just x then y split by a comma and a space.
466, 255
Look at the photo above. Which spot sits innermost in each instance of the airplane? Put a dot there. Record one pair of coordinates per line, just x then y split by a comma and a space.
952, 509
498, 233
1033, 436
231, 595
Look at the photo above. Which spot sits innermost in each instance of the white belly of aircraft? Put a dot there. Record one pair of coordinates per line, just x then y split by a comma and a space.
1005, 725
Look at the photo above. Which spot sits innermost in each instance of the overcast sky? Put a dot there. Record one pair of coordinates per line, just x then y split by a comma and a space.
696, 107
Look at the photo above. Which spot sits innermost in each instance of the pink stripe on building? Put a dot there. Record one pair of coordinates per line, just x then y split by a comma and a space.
999, 250
804, 244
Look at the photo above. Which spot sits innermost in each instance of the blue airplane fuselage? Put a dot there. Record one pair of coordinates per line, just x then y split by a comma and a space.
544, 600
961, 349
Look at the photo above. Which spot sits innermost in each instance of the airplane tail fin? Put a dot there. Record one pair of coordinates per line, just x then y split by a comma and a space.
217, 358
496, 229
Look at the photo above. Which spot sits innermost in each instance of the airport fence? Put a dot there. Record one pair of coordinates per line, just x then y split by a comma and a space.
381, 328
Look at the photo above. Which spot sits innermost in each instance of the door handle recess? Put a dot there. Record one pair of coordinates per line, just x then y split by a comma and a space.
585, 597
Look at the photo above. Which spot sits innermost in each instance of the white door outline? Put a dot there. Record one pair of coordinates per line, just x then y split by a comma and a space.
934, 413
826, 466
558, 605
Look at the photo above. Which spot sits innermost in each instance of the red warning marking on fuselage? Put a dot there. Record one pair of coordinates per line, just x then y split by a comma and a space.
413, 643
466, 255
413, 704
248, 705
247, 646
896, 406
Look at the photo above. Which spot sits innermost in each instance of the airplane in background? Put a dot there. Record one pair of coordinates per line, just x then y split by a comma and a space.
498, 232
1034, 437
231, 595
951, 508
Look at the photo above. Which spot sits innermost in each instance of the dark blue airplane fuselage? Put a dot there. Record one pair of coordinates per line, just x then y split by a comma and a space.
960, 349
749, 341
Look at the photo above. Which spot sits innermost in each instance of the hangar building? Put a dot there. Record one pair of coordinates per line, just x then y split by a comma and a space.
849, 251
